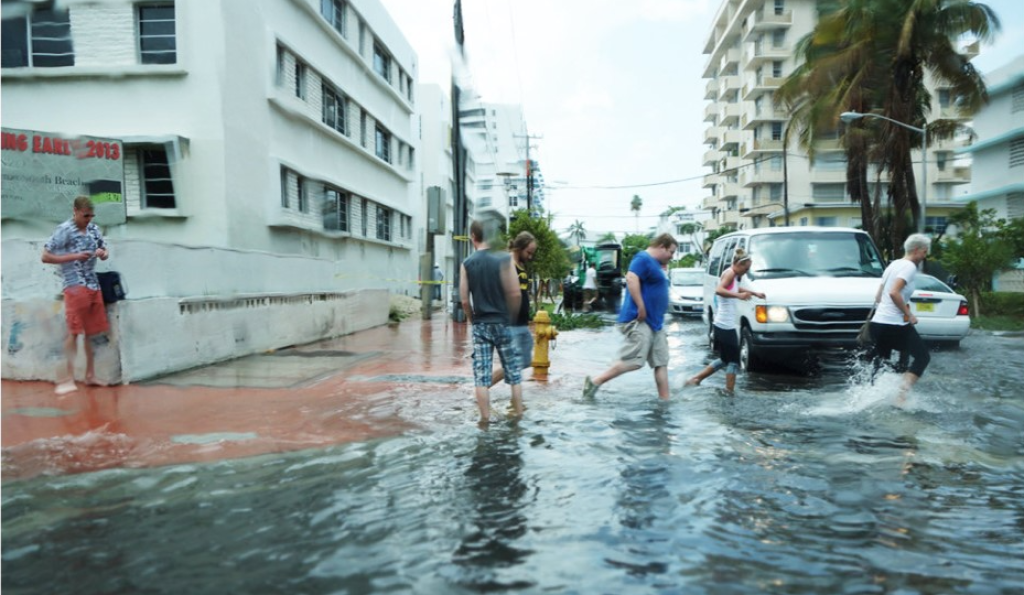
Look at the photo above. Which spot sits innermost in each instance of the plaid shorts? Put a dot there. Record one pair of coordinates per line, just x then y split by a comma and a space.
487, 338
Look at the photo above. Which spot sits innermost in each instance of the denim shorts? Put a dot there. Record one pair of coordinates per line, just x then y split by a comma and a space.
523, 339
486, 338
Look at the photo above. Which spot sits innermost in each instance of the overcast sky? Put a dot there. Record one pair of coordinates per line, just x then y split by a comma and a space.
614, 87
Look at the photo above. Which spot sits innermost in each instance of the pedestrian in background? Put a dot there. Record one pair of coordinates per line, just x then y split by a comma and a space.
522, 248
438, 278
892, 325
642, 318
490, 279
75, 246
728, 342
589, 288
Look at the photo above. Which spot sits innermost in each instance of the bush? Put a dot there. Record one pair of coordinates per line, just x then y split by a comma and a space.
570, 321
1002, 303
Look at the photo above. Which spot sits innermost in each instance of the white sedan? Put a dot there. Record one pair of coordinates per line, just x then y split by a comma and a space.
686, 295
942, 314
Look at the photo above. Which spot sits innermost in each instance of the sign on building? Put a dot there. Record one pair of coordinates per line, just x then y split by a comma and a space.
43, 172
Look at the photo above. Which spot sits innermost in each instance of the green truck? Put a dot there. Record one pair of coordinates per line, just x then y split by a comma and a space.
607, 259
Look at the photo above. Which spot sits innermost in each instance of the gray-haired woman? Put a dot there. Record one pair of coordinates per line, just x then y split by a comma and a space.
892, 325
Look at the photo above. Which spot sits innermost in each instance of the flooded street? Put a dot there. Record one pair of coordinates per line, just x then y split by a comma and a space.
797, 484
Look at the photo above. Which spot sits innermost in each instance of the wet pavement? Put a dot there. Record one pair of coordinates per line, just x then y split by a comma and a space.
324, 393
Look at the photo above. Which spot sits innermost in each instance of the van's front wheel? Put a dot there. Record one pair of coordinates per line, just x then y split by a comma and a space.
749, 362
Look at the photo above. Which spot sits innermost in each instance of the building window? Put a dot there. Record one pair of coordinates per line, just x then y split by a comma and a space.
157, 44
935, 224
334, 12
828, 192
365, 215
335, 210
1017, 153
334, 110
284, 187
281, 66
778, 38
383, 223
362, 38
381, 62
362, 127
412, 156
776, 130
513, 201
383, 145
1017, 104
300, 80
777, 69
302, 187
780, 7
48, 45
155, 178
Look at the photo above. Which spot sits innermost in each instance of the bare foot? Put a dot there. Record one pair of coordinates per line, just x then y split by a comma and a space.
90, 380
692, 382
68, 386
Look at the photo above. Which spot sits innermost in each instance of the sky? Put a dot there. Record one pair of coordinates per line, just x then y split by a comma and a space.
612, 87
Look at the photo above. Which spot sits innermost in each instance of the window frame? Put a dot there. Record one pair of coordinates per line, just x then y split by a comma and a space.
384, 223
30, 37
338, 17
339, 200
381, 133
381, 55
301, 69
147, 181
141, 38
330, 96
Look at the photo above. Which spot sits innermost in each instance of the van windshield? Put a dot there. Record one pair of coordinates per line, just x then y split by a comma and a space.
814, 254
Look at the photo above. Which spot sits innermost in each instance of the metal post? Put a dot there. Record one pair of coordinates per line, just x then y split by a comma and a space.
924, 178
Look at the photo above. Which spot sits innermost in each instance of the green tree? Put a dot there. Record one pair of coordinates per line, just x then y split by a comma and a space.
979, 250
631, 244
551, 260
576, 230
870, 56
635, 205
608, 237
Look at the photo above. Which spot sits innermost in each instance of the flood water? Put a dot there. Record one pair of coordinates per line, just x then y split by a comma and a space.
796, 485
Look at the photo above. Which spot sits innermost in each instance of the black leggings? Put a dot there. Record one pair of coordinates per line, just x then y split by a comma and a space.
902, 338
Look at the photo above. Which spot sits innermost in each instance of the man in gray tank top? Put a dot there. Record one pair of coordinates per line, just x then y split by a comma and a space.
490, 279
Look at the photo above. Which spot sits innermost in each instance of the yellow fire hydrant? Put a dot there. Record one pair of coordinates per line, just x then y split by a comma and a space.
543, 333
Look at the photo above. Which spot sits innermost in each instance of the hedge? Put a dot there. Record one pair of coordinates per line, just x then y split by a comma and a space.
1002, 303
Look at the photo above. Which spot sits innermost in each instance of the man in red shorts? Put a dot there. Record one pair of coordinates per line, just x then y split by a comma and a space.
75, 246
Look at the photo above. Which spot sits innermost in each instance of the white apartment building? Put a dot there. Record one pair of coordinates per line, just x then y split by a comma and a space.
998, 152
497, 136
754, 182
270, 172
678, 223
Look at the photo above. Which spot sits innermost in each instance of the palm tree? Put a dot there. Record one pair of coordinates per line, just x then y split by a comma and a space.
634, 205
870, 56
576, 230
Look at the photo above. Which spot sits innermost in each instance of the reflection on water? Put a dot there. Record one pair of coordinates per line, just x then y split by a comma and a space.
796, 485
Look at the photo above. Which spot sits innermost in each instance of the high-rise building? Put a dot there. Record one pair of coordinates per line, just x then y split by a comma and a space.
757, 182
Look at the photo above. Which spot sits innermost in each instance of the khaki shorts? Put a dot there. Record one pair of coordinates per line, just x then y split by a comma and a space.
641, 344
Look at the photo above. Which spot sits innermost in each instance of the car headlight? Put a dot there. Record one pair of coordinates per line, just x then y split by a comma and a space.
771, 314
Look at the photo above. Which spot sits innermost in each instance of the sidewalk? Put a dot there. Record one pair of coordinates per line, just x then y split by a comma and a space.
370, 384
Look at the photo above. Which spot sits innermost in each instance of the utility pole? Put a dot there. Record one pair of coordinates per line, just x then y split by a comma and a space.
529, 170
460, 223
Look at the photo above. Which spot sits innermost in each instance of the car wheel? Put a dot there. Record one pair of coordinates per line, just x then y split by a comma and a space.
749, 362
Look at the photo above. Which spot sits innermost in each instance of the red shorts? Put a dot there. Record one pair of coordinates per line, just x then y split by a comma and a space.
85, 311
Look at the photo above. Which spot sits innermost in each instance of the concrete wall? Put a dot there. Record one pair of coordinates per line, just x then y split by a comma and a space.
219, 304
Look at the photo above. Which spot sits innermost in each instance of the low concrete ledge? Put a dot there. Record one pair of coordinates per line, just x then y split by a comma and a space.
156, 336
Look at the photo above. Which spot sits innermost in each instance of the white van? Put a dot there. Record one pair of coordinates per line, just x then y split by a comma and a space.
819, 285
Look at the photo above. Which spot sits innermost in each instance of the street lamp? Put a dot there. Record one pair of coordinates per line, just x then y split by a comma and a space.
848, 117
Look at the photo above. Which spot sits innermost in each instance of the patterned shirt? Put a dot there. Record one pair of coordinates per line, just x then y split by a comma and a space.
68, 239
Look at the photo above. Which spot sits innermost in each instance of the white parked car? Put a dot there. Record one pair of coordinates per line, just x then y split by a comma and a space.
942, 314
686, 294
